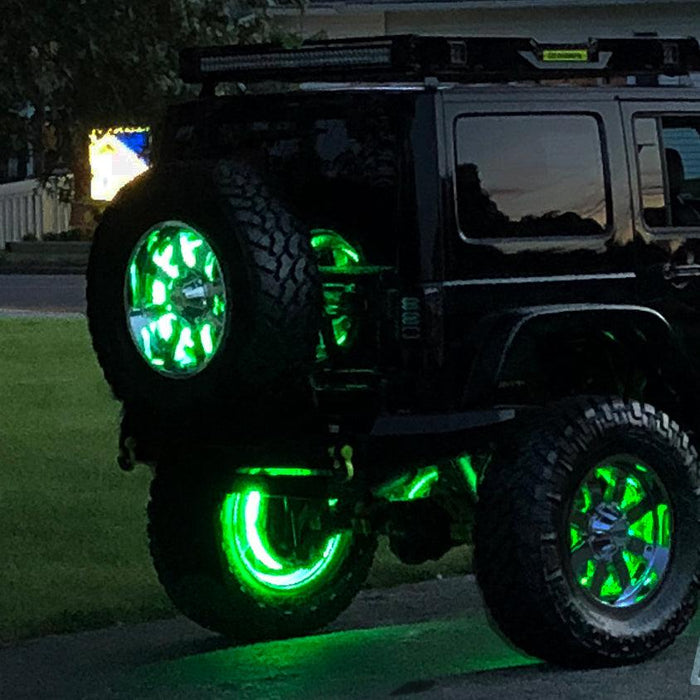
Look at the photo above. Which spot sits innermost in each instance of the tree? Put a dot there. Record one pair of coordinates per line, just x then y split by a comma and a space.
69, 66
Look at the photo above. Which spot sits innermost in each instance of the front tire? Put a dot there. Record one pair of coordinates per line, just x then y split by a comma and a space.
587, 534
248, 565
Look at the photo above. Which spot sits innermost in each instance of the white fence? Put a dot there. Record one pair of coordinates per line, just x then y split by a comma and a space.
28, 209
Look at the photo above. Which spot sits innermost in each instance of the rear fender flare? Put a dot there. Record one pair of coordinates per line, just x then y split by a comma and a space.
501, 335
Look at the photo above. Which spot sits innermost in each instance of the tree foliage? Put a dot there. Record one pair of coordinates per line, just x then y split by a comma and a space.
68, 66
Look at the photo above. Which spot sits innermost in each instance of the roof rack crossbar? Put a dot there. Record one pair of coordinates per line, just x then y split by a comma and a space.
464, 59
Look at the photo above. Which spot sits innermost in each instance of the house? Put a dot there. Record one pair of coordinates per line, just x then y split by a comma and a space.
543, 20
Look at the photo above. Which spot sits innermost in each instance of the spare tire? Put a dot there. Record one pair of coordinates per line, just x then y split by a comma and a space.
201, 286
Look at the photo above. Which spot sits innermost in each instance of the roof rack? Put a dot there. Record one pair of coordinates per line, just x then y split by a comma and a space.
463, 59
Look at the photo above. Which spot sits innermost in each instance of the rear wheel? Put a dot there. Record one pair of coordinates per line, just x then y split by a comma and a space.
248, 564
587, 534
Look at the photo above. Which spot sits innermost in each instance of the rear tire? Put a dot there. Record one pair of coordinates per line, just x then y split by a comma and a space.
229, 579
572, 607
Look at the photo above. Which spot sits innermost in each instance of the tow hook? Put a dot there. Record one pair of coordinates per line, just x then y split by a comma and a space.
342, 461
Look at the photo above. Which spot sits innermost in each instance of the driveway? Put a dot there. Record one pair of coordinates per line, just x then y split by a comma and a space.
425, 640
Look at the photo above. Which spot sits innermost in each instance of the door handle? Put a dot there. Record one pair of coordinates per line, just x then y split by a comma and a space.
675, 273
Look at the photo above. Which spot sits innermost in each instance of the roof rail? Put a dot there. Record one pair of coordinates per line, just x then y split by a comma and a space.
463, 59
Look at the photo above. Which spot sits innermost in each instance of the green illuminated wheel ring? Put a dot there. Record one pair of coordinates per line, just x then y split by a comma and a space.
258, 541
175, 299
620, 532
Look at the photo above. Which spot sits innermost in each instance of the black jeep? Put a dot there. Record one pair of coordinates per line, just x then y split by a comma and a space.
412, 284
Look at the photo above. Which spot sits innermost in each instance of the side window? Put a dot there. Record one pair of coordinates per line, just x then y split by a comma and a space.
530, 175
668, 156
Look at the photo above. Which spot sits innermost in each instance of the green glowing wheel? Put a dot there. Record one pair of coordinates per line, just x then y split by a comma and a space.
587, 533
202, 288
276, 546
175, 298
620, 532
248, 564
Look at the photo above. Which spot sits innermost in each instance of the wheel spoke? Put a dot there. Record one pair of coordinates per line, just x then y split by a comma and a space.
619, 488
636, 545
580, 520
580, 557
596, 491
601, 573
639, 510
623, 574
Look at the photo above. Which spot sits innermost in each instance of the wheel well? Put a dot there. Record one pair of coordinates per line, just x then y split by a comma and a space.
634, 357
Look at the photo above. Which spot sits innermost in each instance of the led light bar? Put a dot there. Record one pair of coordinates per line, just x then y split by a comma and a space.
379, 56
464, 59
265, 62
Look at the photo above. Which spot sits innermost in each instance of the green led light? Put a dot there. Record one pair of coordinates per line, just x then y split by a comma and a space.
260, 555
252, 534
206, 339
422, 485
333, 250
335, 253
464, 462
189, 242
409, 486
278, 471
175, 299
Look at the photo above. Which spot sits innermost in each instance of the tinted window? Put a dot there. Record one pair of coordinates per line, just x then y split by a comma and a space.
535, 175
337, 163
668, 156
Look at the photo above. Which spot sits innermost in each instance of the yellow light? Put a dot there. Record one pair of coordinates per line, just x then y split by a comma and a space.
112, 162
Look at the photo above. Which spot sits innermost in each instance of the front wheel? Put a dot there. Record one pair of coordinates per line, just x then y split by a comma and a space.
587, 533
248, 564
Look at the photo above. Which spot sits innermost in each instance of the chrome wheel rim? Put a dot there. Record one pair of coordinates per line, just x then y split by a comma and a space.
620, 531
175, 299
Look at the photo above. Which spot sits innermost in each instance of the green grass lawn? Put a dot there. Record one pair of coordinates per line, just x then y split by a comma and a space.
72, 525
